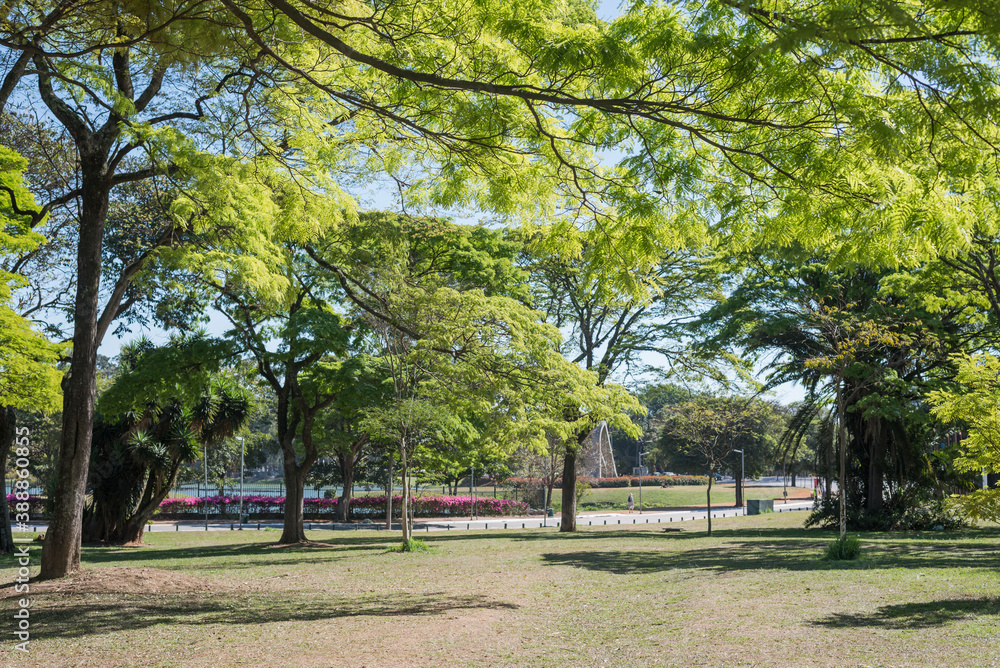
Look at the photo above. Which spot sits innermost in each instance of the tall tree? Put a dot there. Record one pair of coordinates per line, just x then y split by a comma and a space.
165, 408
704, 431
854, 338
609, 328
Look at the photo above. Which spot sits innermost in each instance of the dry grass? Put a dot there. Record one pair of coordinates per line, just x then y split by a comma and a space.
755, 594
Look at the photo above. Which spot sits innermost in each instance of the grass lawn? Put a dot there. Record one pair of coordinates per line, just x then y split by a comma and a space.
757, 593
675, 497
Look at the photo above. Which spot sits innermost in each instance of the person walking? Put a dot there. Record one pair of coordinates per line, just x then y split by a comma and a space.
631, 502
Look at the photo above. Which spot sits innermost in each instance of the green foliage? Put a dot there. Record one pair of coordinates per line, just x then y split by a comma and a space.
700, 434
179, 371
28, 376
913, 509
878, 339
138, 450
975, 405
412, 545
845, 548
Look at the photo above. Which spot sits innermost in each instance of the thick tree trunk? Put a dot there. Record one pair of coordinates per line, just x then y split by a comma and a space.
8, 422
568, 519
135, 528
346, 462
739, 490
61, 552
295, 484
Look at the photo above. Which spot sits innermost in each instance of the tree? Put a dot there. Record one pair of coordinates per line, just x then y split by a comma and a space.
339, 428
610, 328
307, 373
703, 432
512, 122
866, 342
974, 404
101, 76
166, 406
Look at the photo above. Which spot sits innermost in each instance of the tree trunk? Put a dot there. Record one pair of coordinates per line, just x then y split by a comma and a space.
711, 477
135, 527
739, 489
568, 520
388, 497
404, 469
841, 430
346, 462
828, 466
873, 497
295, 483
61, 551
8, 422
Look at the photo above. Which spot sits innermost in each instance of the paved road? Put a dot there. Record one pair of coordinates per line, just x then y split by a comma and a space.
583, 520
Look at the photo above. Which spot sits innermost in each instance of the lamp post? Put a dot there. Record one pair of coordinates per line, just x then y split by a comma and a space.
742, 500
242, 456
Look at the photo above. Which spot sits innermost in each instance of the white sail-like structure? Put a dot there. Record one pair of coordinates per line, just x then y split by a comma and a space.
596, 459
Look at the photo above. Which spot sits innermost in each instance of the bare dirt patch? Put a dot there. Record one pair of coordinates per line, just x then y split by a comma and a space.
121, 580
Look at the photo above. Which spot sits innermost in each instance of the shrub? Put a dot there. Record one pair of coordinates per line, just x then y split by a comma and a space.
846, 548
900, 513
36, 504
412, 545
371, 507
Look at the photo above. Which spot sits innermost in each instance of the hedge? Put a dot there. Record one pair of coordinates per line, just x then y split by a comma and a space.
362, 507
36, 504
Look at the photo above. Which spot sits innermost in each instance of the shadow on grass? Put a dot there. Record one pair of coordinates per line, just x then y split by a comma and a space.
751, 548
236, 555
790, 555
74, 619
915, 615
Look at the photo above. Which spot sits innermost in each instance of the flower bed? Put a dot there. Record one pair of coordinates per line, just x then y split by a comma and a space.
36, 504
362, 507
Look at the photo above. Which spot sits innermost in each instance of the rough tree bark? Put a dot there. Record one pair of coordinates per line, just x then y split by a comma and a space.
8, 422
61, 552
295, 478
568, 518
348, 460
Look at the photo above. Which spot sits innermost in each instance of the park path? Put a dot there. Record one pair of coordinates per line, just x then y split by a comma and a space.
619, 518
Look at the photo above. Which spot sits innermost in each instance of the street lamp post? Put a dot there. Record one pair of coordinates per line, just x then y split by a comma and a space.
742, 476
242, 475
